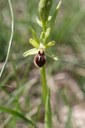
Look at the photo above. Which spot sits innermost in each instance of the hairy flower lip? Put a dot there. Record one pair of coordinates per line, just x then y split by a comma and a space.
40, 59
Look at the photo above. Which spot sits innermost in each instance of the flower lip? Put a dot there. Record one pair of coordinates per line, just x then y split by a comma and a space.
40, 59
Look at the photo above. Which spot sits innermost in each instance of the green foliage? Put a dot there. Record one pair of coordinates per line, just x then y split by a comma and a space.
3, 39
17, 114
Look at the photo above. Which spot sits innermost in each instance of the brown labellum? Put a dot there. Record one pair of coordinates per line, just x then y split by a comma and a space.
40, 59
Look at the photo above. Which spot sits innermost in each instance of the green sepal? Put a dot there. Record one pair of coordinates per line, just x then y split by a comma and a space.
48, 113
33, 43
32, 51
35, 35
51, 55
55, 13
50, 44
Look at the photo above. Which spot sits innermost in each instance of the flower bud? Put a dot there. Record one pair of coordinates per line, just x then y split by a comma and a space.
44, 9
40, 59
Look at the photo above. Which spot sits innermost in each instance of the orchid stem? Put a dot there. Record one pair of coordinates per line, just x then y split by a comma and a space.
44, 84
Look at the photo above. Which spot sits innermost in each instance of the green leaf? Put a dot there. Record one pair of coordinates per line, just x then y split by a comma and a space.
17, 114
51, 55
50, 44
48, 113
32, 51
34, 43
55, 13
35, 35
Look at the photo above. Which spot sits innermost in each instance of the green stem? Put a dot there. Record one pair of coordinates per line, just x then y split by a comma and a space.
44, 28
48, 113
44, 84
46, 99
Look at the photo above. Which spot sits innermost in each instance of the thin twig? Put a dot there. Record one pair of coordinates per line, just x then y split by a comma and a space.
10, 40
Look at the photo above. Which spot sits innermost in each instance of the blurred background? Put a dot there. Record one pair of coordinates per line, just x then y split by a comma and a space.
20, 87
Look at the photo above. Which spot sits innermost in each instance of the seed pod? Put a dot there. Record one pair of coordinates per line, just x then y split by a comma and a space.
40, 59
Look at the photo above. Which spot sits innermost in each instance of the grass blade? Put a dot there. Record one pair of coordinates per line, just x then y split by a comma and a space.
11, 37
17, 114
68, 123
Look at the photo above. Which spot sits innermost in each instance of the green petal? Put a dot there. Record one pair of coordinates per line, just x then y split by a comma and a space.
32, 51
34, 43
50, 44
51, 55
